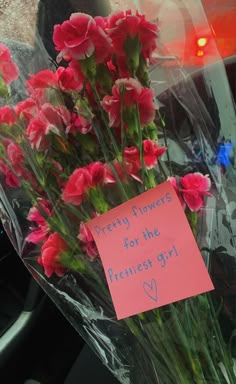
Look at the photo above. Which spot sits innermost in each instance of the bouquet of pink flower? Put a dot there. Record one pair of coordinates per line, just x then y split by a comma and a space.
90, 137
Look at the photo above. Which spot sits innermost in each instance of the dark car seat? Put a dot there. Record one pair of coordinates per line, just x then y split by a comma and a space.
88, 369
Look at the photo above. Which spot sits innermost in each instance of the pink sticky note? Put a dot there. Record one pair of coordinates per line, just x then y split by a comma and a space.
149, 253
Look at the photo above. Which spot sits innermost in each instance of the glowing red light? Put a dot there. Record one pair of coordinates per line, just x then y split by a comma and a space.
202, 42
200, 53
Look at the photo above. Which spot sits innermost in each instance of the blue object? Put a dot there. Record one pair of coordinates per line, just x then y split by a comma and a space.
223, 153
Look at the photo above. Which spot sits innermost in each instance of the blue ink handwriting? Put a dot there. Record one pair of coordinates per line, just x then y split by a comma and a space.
137, 211
151, 289
110, 227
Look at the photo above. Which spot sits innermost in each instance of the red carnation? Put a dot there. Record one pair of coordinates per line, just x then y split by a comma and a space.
50, 255
81, 37
8, 69
130, 92
194, 186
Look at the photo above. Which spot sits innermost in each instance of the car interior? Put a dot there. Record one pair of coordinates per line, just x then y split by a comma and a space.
37, 343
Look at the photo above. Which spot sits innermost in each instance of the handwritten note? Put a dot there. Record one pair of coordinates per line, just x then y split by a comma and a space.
149, 253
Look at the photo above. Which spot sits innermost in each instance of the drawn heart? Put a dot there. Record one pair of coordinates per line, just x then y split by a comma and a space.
151, 289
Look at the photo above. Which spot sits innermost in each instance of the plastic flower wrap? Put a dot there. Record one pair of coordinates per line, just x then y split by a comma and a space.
90, 136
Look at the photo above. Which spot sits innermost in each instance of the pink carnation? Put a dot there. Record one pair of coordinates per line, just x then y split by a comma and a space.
63, 78
7, 115
151, 153
174, 184
36, 133
75, 66
81, 37
27, 108
122, 25
194, 187
43, 79
82, 179
132, 157
101, 22
119, 169
67, 81
99, 175
134, 94
89, 246
50, 119
8, 69
79, 124
16, 157
50, 255
39, 96
129, 168
39, 233
77, 186
11, 179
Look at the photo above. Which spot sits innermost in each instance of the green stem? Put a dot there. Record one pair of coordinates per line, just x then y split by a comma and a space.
140, 144
226, 358
150, 179
145, 340
191, 353
101, 141
124, 194
172, 355
162, 170
165, 140
104, 118
105, 151
123, 136
206, 332
97, 199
